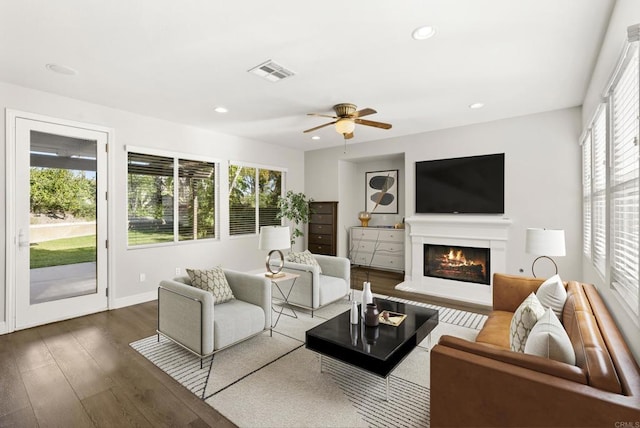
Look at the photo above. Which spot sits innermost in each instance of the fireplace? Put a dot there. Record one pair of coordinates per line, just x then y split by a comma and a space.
468, 264
487, 232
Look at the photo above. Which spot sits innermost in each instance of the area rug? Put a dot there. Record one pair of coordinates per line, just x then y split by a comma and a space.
275, 381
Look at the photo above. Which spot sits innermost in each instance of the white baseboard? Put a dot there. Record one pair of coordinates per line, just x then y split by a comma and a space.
118, 303
135, 299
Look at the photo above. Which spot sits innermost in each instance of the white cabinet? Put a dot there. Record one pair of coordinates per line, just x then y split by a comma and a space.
377, 247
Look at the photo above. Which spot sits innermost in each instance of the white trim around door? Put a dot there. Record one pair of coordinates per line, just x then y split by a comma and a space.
12, 236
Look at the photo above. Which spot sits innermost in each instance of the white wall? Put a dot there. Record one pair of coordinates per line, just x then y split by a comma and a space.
542, 177
132, 129
625, 14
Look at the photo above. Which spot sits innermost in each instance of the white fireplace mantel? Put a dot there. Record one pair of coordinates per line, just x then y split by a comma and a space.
455, 230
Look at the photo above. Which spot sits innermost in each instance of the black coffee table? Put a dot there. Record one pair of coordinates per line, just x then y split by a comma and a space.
377, 350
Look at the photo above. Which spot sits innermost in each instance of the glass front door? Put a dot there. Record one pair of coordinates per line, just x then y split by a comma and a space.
60, 222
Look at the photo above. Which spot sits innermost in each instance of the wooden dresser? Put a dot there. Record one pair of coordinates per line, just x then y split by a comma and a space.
323, 228
377, 247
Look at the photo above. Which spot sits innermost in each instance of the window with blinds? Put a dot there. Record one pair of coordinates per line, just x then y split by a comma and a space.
253, 198
196, 200
270, 183
625, 102
599, 190
152, 192
586, 196
611, 187
150, 199
242, 200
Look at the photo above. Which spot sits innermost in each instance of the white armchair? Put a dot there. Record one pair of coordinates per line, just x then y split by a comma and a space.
313, 290
187, 315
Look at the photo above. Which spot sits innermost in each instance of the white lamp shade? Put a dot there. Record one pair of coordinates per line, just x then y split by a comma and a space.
274, 238
545, 242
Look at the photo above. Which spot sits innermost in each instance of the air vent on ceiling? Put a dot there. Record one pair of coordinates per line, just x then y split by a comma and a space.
271, 71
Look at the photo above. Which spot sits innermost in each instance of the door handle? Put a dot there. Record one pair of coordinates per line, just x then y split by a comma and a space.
22, 243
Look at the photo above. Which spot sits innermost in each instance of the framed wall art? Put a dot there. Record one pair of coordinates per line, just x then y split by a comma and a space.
381, 192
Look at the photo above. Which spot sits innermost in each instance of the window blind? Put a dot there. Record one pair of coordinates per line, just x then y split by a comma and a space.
253, 198
242, 200
624, 193
270, 183
586, 195
196, 200
154, 196
150, 199
599, 185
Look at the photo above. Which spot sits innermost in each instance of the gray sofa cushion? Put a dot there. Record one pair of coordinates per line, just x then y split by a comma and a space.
235, 320
332, 288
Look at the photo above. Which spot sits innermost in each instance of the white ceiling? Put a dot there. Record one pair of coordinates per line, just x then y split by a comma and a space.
177, 60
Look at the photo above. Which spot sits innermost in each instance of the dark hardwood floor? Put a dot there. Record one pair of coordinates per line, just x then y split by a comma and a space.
83, 373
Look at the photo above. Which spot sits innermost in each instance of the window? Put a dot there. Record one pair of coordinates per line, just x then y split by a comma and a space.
611, 188
154, 183
586, 196
242, 200
270, 190
196, 200
599, 188
625, 101
253, 198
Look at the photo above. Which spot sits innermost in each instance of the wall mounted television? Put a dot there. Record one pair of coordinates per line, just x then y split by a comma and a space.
469, 185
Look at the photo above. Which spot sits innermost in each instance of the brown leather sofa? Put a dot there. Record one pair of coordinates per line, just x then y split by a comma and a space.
484, 383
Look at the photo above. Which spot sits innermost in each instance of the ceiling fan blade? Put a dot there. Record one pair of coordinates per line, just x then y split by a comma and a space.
364, 112
372, 123
322, 115
318, 127
348, 136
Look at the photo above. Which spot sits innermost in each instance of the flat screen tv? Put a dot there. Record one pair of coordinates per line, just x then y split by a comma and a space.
470, 185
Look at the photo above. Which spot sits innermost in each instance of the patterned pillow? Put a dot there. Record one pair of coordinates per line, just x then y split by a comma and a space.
552, 294
550, 340
304, 258
213, 281
524, 318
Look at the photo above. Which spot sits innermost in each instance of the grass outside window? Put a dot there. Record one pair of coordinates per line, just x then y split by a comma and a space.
64, 251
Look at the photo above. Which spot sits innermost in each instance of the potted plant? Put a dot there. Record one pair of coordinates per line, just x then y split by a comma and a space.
295, 208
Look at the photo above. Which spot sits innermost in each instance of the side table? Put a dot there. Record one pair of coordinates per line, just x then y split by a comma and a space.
285, 297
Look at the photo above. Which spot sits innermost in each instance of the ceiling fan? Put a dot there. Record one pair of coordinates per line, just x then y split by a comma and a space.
346, 119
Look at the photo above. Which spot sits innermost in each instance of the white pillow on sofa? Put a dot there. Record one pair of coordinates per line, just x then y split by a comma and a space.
549, 339
212, 280
524, 318
552, 294
304, 258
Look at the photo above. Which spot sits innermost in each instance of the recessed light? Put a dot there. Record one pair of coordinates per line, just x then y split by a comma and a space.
476, 105
315, 137
61, 69
221, 109
423, 33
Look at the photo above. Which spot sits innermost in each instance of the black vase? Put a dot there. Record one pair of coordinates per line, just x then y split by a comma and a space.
371, 335
371, 315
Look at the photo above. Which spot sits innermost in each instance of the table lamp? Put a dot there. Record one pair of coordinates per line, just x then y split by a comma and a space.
274, 239
545, 243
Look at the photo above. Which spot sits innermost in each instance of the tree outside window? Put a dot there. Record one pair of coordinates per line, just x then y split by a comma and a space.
253, 198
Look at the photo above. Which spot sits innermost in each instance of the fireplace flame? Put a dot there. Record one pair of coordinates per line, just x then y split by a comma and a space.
467, 264
457, 259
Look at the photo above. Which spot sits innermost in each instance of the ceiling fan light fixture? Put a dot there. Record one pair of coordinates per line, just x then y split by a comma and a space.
315, 137
423, 33
345, 126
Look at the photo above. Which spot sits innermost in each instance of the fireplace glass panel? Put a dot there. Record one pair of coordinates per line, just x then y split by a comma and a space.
466, 264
